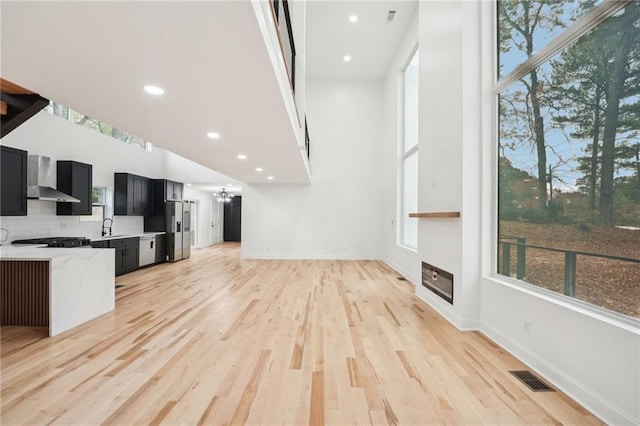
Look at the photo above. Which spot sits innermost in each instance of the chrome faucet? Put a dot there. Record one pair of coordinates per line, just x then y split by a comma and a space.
104, 228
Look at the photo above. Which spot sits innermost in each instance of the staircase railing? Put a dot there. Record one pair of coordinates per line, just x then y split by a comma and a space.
281, 14
306, 137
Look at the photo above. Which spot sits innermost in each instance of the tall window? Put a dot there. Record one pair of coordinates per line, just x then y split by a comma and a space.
409, 158
569, 149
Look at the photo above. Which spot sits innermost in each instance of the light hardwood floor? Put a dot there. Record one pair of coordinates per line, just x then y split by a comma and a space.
219, 340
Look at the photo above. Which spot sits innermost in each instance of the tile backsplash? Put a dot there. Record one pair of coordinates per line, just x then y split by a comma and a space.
42, 221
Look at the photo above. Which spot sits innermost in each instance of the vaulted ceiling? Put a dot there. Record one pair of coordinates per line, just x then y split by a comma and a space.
210, 59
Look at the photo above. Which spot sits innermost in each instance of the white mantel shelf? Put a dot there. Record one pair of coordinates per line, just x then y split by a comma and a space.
435, 215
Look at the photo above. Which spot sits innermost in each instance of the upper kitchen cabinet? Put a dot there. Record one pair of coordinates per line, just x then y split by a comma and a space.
168, 190
132, 195
75, 179
173, 191
13, 182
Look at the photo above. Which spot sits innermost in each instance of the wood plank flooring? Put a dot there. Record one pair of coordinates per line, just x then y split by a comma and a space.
219, 340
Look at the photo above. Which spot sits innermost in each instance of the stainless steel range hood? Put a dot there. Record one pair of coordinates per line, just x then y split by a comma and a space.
40, 181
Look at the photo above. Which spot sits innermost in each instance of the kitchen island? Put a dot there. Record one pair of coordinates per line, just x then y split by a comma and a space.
59, 288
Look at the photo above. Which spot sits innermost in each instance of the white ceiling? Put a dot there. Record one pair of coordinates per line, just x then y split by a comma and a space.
371, 41
209, 57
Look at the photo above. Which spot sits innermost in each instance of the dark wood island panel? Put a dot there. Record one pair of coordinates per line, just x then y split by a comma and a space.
24, 293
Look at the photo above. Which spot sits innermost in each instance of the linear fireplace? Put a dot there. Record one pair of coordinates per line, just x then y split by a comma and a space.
438, 281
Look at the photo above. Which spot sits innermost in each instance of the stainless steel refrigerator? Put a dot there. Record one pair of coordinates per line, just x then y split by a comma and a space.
178, 228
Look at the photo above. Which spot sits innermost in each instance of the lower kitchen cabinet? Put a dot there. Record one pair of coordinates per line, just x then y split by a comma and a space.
161, 248
127, 253
99, 244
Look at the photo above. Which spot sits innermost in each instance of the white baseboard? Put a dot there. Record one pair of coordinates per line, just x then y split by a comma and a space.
596, 404
439, 306
280, 256
409, 276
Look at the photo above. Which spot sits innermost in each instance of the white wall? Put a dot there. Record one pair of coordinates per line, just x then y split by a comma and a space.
593, 357
339, 214
59, 139
449, 170
402, 259
209, 219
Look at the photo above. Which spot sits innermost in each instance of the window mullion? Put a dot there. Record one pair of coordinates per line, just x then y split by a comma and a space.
573, 33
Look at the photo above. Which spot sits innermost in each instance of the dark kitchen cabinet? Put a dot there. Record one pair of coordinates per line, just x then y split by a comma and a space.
99, 244
127, 254
13, 182
161, 248
166, 190
132, 195
174, 191
131, 256
75, 179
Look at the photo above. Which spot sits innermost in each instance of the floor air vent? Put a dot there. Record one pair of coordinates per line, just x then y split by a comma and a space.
401, 278
532, 382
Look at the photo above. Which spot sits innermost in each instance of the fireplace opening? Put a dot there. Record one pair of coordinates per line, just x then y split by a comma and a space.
437, 280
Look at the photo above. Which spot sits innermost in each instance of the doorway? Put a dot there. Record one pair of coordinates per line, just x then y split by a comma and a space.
194, 222
233, 219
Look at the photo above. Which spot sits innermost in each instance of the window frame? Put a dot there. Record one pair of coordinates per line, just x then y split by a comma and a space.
103, 205
497, 85
404, 155
69, 115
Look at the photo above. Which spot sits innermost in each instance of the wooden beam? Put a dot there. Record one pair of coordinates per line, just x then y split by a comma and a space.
21, 108
13, 89
435, 215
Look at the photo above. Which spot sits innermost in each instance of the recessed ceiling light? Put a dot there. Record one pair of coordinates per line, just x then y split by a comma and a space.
154, 90
188, 184
270, 177
347, 58
242, 157
259, 169
213, 135
353, 18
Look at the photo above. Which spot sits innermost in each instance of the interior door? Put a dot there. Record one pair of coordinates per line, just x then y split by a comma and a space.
233, 219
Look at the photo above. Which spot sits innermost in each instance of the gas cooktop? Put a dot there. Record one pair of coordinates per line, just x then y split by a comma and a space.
56, 241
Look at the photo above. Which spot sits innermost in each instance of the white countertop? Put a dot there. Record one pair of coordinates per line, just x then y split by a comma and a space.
42, 252
115, 237
81, 281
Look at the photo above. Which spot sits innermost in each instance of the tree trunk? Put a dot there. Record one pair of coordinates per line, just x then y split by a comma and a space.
593, 170
538, 130
638, 170
615, 92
